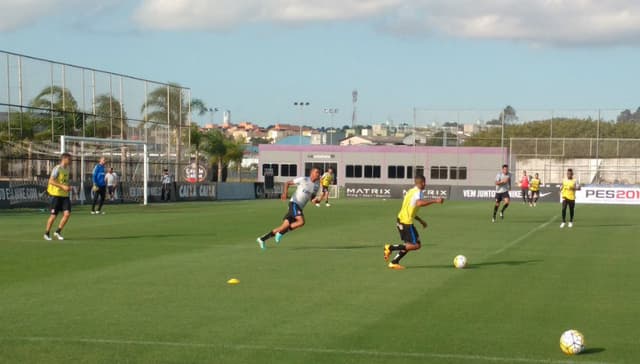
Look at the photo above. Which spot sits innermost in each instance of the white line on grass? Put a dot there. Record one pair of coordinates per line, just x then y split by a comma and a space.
371, 353
521, 238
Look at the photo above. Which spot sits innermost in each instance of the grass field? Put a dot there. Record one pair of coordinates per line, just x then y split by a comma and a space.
148, 285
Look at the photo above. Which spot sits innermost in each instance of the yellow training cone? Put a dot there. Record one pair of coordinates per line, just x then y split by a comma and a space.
233, 281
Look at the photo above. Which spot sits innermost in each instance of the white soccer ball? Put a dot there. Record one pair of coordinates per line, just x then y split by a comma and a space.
572, 342
460, 261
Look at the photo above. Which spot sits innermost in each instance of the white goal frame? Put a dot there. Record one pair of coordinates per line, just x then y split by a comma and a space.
66, 138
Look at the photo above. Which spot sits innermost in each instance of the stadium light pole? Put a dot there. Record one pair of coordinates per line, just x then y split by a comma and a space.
331, 112
213, 111
301, 105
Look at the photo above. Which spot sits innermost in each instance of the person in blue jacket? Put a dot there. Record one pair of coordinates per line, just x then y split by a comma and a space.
99, 186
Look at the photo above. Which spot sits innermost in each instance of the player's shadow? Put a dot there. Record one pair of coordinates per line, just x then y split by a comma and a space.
483, 264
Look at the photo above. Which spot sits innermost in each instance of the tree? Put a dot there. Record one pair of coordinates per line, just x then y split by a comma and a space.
235, 153
221, 150
61, 103
109, 120
197, 142
168, 105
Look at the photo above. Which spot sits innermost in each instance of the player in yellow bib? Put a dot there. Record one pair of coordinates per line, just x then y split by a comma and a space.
413, 201
325, 181
568, 193
534, 188
58, 188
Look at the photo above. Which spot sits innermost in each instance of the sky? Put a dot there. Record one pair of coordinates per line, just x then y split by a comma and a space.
440, 57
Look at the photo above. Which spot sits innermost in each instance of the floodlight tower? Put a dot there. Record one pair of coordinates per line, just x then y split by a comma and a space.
354, 116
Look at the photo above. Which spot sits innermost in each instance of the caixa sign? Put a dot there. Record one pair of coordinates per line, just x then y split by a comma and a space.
609, 195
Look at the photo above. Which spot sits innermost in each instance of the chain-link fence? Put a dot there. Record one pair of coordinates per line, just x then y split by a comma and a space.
40, 100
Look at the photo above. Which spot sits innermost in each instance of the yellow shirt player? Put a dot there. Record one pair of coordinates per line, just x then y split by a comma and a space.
58, 188
412, 202
534, 188
325, 181
568, 193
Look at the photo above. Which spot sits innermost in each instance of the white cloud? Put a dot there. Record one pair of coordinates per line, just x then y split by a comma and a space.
18, 13
556, 22
559, 22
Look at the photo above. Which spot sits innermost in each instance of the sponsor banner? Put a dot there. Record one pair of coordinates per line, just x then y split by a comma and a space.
609, 195
358, 190
22, 195
196, 192
462, 193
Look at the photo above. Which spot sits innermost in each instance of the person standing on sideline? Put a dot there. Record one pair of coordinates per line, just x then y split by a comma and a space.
325, 181
568, 193
166, 185
413, 201
99, 186
112, 183
534, 188
524, 187
58, 189
503, 185
307, 188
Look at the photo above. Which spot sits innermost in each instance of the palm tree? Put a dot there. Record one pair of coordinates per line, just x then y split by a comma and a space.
109, 119
197, 142
58, 101
215, 147
234, 153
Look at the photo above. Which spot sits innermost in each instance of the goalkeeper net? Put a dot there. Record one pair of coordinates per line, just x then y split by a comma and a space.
128, 158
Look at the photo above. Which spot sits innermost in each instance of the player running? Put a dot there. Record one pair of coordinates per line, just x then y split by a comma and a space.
412, 202
534, 188
325, 181
307, 188
58, 188
568, 192
503, 185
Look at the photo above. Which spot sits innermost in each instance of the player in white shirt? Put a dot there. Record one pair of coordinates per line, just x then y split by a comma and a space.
307, 188
503, 185
112, 183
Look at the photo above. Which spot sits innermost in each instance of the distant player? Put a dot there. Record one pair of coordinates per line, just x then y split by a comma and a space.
568, 192
524, 187
534, 188
58, 188
412, 202
99, 186
112, 183
307, 188
325, 181
503, 185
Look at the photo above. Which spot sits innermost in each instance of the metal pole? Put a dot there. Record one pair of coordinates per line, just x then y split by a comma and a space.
9, 95
145, 166
502, 138
168, 128
82, 196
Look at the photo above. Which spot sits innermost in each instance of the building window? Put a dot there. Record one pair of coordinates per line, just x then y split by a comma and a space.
354, 171
458, 172
419, 170
409, 172
273, 166
397, 171
371, 171
439, 172
289, 170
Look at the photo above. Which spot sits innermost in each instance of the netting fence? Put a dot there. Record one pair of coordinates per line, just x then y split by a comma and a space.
40, 100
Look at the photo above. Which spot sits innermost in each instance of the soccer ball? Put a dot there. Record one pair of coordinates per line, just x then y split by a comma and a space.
460, 261
572, 342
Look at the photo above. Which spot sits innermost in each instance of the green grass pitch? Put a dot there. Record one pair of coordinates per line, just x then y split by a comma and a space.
148, 285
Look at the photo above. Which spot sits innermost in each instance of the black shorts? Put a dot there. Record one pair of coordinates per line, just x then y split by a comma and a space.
408, 233
325, 189
294, 210
58, 204
501, 196
535, 194
111, 189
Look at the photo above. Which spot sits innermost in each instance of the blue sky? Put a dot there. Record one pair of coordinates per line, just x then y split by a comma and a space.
256, 57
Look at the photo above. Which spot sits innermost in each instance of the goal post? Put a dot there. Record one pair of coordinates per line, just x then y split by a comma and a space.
104, 143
